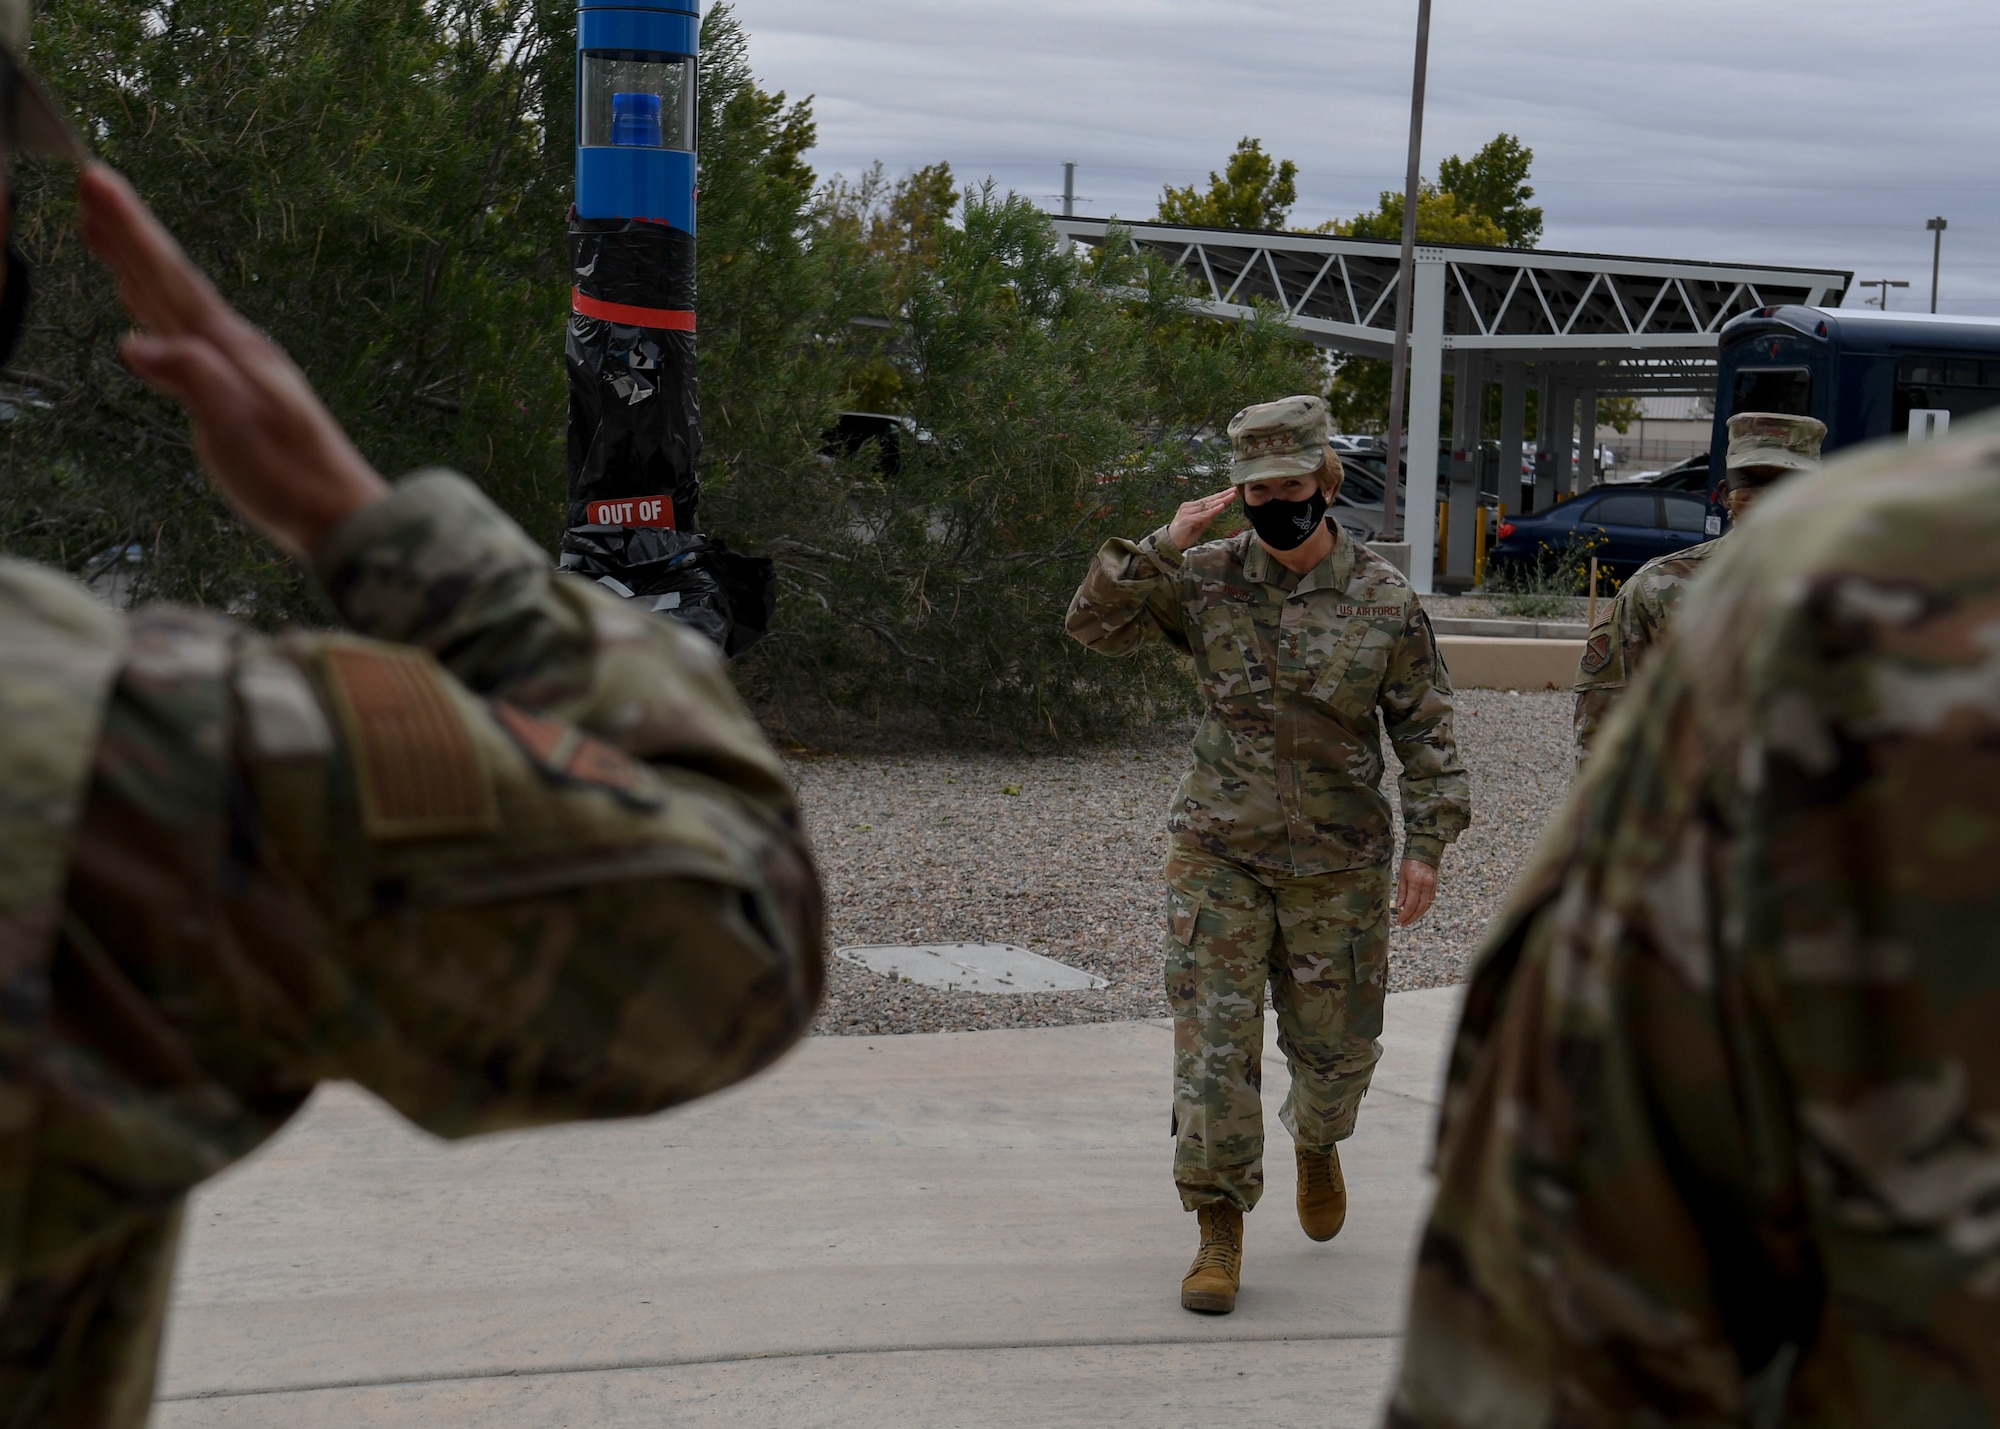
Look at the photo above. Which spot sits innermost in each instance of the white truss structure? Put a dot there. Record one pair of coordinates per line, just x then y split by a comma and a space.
1541, 305
1582, 325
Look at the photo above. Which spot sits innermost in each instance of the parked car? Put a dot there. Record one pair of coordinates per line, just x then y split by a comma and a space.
1627, 525
1690, 475
1358, 504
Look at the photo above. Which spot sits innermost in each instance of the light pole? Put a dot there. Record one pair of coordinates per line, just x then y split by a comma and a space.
1406, 276
1936, 227
1885, 284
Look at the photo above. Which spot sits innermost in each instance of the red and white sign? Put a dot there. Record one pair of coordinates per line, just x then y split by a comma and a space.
634, 511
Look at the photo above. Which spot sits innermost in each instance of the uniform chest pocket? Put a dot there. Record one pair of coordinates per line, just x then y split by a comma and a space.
1233, 660
1350, 682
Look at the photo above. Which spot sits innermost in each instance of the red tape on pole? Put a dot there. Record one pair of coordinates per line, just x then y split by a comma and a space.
631, 315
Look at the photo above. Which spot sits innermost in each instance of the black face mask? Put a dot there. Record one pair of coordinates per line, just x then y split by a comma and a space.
13, 304
1284, 525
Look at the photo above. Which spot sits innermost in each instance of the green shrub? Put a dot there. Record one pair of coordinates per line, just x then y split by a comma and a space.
383, 186
1549, 586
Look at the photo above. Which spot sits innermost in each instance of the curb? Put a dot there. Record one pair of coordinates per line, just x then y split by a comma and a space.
1487, 662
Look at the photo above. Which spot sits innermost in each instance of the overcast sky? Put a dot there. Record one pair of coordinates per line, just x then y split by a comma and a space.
1815, 132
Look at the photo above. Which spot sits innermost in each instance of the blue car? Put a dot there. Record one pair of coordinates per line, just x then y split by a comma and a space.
1629, 526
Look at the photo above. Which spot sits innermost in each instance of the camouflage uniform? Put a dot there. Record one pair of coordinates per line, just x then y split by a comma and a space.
1280, 834
1721, 1139
1619, 644
530, 862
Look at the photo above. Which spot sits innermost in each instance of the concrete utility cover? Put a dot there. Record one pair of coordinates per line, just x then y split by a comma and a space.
971, 967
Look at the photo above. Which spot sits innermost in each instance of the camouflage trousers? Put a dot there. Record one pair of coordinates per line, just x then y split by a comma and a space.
1322, 945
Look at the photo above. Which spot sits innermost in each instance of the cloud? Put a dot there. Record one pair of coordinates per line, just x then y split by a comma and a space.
1791, 132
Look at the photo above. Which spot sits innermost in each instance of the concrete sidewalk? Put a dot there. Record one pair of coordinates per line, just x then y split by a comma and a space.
954, 1229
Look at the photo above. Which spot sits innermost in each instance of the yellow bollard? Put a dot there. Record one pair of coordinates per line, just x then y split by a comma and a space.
1479, 543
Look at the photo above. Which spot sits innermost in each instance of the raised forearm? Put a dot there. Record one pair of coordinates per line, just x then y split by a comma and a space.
1129, 597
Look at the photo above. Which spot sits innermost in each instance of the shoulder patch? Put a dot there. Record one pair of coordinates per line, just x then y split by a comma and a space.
569, 756
419, 774
1597, 652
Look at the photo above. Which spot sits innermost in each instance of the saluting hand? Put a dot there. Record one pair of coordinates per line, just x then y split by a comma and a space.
1195, 517
260, 429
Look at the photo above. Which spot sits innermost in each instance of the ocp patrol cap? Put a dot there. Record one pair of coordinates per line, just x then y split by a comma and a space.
39, 129
1774, 439
1273, 440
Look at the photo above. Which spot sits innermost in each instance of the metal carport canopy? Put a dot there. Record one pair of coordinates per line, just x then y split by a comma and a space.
1603, 323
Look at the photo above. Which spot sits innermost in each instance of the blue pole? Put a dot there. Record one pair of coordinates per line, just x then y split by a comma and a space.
634, 422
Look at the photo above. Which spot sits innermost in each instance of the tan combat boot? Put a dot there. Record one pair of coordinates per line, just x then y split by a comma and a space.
1218, 1266
1322, 1193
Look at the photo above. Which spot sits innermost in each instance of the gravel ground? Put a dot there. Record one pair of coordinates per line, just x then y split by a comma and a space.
1062, 854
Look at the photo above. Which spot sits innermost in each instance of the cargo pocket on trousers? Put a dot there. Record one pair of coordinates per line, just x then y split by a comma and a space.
1182, 914
1177, 949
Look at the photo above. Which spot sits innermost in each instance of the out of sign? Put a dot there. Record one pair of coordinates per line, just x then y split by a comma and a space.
634, 511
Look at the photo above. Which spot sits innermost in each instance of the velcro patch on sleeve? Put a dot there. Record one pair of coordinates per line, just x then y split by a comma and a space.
281, 708
420, 774
568, 756
1597, 653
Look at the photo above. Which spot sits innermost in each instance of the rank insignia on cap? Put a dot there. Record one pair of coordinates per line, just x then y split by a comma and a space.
569, 756
419, 773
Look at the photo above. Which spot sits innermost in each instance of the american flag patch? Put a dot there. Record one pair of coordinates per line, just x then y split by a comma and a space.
420, 775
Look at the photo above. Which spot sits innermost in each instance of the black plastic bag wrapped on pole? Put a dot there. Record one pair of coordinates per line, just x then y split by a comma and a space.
634, 416
635, 436
696, 579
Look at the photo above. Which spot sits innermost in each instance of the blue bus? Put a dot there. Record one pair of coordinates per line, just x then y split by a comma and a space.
1866, 374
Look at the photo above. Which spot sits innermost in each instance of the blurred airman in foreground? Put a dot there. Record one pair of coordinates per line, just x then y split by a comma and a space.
504, 852
1721, 1135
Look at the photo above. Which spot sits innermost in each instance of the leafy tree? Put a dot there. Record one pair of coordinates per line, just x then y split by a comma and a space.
383, 184
1481, 200
1253, 191
1618, 413
780, 291
1494, 184
1441, 218
1048, 409
370, 181
900, 222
